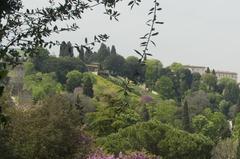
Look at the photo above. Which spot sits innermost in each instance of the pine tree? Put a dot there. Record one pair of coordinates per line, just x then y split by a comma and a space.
186, 118
88, 87
113, 50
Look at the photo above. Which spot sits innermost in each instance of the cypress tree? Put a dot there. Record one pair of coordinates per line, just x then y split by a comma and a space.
214, 72
88, 87
70, 49
80, 108
63, 49
103, 52
66, 49
186, 118
208, 70
113, 50
87, 56
145, 114
81, 53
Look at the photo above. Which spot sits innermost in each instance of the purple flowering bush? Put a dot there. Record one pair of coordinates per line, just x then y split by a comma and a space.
146, 99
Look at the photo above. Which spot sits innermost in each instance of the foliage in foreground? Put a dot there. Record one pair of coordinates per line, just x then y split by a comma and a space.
159, 139
51, 130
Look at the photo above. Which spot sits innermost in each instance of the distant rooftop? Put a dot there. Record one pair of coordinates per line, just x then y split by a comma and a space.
194, 66
226, 72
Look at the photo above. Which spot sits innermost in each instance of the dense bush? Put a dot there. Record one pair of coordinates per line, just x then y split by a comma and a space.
158, 139
51, 130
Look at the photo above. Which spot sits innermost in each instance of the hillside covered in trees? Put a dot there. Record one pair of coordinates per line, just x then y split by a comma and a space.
54, 107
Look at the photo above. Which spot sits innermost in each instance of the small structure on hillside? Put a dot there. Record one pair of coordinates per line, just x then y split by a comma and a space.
94, 68
97, 69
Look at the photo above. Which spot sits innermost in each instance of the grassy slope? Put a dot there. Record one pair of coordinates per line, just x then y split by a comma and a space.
111, 86
104, 86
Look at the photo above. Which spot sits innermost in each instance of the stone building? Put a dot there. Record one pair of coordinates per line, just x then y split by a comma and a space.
196, 69
220, 74
225, 74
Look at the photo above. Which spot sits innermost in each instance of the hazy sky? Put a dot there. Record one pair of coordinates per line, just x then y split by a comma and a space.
196, 32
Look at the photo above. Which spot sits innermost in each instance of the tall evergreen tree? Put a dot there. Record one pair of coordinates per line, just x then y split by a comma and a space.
208, 70
213, 72
62, 49
70, 49
66, 49
88, 87
186, 118
144, 113
87, 56
113, 50
80, 108
103, 52
81, 53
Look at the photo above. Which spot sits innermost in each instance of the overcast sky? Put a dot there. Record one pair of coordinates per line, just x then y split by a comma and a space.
196, 32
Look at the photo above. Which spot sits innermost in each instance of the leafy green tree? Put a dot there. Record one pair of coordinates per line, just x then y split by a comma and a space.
39, 58
213, 125
185, 81
133, 69
74, 79
164, 86
224, 107
210, 80
114, 63
197, 102
159, 139
196, 80
152, 72
112, 114
175, 67
236, 128
231, 93
65, 65
28, 68
52, 130
164, 111
41, 85
214, 99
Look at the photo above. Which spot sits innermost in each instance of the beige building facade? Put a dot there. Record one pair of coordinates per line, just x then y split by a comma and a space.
224, 74
220, 74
